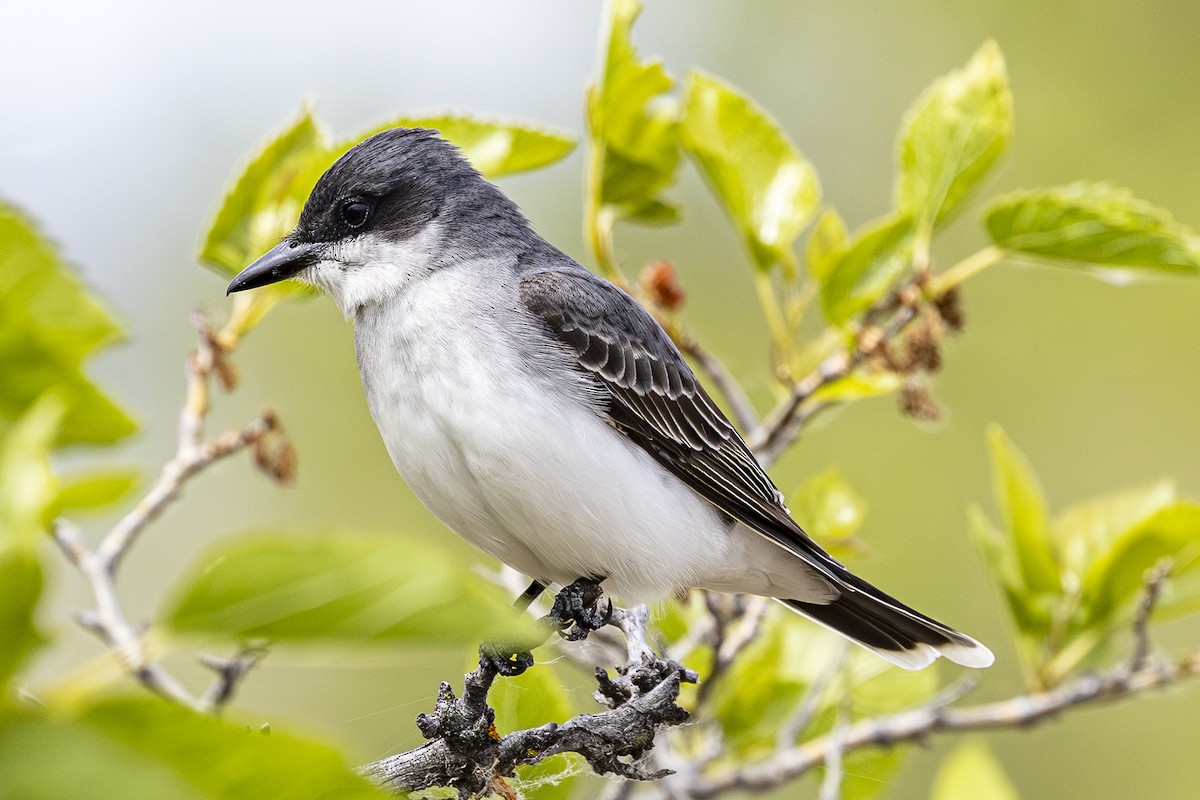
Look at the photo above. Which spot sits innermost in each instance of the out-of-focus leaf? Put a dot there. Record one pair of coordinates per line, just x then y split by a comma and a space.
20, 590
1024, 508
1095, 224
49, 325
1031, 616
1117, 576
343, 588
94, 489
879, 688
27, 487
531, 700
48, 759
831, 512
953, 135
632, 122
496, 147
826, 245
145, 748
767, 188
267, 197
971, 771
766, 681
867, 269
1088, 529
860, 386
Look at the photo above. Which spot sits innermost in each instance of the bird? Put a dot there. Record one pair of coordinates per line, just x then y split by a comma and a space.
544, 415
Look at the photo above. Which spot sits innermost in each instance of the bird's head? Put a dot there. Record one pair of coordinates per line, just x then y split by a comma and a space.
387, 212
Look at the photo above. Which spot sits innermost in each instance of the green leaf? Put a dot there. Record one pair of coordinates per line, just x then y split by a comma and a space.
20, 590
531, 700
971, 771
878, 688
632, 125
831, 512
1088, 529
953, 135
1117, 576
1097, 224
496, 147
1024, 509
267, 197
768, 189
94, 489
1031, 617
867, 269
145, 748
860, 385
342, 588
27, 487
49, 326
826, 245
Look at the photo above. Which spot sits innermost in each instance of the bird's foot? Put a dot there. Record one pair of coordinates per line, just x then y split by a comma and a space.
505, 659
575, 611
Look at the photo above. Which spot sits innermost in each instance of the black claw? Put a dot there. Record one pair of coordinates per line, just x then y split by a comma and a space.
575, 611
505, 660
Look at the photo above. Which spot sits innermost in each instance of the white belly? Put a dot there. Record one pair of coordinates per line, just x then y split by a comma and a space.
519, 466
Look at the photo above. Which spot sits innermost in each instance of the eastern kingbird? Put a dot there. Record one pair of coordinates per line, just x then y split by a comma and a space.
543, 414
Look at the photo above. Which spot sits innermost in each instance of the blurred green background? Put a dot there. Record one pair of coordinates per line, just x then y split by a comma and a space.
123, 122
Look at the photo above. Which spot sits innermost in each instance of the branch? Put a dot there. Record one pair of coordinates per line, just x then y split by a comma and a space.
1139, 673
719, 375
193, 454
466, 752
783, 424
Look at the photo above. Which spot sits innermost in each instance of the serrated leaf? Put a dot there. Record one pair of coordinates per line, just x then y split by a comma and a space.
867, 269
767, 188
632, 123
971, 771
826, 245
496, 147
142, 747
94, 489
342, 588
831, 512
1116, 577
1024, 510
953, 135
1096, 224
27, 487
267, 196
50, 324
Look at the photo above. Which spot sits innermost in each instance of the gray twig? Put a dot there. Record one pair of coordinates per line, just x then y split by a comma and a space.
99, 565
466, 752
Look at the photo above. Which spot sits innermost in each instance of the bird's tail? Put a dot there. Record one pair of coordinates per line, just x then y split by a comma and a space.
891, 629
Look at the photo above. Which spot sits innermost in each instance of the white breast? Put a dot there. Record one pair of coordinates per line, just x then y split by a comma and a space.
501, 444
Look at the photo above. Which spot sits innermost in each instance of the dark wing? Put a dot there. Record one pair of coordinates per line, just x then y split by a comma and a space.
655, 399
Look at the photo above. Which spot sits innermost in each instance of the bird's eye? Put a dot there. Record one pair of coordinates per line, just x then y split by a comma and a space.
355, 213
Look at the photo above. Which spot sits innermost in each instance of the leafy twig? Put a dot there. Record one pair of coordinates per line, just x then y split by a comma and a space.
1136, 675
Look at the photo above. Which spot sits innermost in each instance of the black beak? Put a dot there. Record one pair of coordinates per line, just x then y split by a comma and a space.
279, 263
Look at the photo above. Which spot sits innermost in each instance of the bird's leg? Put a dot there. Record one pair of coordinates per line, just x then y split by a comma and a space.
575, 611
533, 592
506, 659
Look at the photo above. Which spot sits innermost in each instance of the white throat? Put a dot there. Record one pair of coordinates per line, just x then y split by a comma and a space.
368, 269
